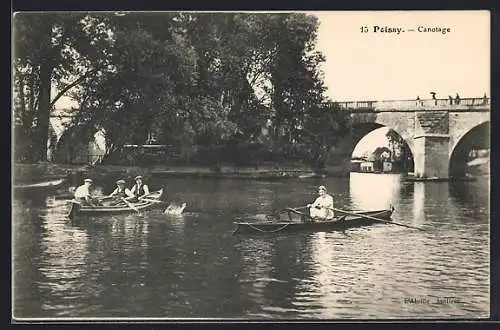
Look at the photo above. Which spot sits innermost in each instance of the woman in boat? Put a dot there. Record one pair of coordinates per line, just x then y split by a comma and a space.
121, 192
83, 194
140, 189
322, 206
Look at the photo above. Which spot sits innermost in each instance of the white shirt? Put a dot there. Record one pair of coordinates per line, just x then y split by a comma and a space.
321, 207
126, 190
82, 191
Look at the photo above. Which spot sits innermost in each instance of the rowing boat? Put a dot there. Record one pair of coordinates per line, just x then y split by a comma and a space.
44, 184
76, 207
305, 223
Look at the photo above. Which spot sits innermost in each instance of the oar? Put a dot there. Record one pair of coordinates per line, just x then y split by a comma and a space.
293, 209
300, 207
375, 219
157, 201
152, 200
151, 193
130, 205
66, 197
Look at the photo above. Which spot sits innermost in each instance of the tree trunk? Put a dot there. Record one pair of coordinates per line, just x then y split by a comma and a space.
43, 110
32, 90
22, 97
278, 116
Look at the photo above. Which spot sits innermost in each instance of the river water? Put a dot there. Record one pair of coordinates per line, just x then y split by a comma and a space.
191, 266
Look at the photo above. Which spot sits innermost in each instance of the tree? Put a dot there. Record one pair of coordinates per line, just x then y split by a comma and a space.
324, 126
192, 79
400, 151
296, 84
380, 155
153, 70
51, 50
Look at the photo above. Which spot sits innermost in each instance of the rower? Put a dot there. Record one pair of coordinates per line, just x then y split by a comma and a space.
120, 192
140, 189
322, 207
83, 194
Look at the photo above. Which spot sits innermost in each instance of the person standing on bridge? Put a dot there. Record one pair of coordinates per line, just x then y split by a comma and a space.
434, 97
322, 208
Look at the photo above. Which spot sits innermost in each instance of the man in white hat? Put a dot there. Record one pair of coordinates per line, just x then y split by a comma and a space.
322, 206
139, 189
83, 193
120, 192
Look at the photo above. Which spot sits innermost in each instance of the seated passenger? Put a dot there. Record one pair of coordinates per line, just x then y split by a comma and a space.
322, 208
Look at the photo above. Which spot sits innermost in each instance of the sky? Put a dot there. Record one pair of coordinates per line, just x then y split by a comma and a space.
390, 66
371, 141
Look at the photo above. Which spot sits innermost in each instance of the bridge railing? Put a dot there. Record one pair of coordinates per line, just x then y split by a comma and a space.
414, 104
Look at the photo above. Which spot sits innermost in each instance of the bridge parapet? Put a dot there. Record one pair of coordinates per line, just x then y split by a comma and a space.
466, 104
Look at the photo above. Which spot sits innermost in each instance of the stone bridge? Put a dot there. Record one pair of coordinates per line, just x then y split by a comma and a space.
439, 132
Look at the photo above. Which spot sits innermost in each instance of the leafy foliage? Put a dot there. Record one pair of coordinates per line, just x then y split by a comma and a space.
186, 79
400, 151
51, 50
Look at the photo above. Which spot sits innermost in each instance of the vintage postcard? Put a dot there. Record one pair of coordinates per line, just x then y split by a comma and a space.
319, 165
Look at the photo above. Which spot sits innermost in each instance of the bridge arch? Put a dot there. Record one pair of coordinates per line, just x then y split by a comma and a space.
361, 130
462, 130
402, 123
358, 132
477, 137
433, 129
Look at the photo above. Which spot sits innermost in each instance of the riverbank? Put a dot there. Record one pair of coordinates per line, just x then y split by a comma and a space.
32, 173
28, 173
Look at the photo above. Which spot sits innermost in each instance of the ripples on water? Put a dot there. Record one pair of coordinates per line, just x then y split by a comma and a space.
188, 266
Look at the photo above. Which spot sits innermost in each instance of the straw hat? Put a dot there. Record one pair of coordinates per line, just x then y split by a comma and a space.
138, 177
120, 182
88, 180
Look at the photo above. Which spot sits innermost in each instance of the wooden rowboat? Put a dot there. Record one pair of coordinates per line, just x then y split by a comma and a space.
152, 199
341, 222
40, 185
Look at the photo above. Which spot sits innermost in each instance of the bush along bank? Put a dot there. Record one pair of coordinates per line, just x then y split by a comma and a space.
76, 173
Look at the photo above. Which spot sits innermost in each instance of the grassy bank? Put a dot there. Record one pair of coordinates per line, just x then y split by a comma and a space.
25, 173
22, 173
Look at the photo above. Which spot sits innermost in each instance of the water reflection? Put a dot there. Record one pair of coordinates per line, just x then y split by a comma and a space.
256, 267
26, 236
62, 259
475, 193
419, 204
323, 287
191, 266
393, 262
370, 191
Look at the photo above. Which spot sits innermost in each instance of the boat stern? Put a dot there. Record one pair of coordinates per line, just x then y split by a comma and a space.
74, 207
